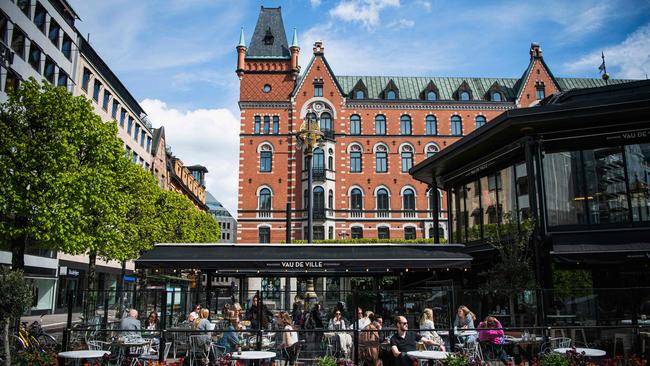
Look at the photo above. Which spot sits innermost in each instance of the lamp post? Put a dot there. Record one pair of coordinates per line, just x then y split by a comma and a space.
308, 137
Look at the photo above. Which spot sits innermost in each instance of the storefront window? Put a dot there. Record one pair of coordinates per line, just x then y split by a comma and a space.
638, 173
606, 191
489, 204
507, 198
563, 180
459, 214
521, 185
473, 207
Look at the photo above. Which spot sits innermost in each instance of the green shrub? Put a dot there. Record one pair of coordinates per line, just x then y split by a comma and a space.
555, 359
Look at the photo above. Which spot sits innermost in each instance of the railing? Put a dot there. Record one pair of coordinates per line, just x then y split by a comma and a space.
318, 173
383, 213
319, 214
328, 134
356, 213
264, 214
409, 213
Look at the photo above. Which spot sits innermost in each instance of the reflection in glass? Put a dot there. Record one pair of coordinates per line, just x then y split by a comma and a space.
473, 207
638, 173
606, 191
565, 199
521, 185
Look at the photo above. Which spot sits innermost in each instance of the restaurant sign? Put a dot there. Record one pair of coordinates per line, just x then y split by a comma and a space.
302, 264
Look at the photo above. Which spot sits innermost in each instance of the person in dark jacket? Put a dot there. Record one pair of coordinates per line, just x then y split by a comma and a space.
253, 314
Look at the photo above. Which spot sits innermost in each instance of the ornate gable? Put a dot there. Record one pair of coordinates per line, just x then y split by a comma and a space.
390, 91
463, 88
358, 88
430, 88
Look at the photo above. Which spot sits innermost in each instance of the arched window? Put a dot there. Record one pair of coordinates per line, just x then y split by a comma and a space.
381, 159
359, 94
276, 125
326, 123
480, 121
318, 161
330, 159
408, 200
434, 194
464, 96
356, 163
356, 199
409, 233
383, 232
330, 199
380, 125
407, 158
391, 95
405, 125
431, 95
266, 159
456, 126
431, 125
432, 150
356, 232
355, 124
319, 202
265, 200
383, 203
496, 97
267, 125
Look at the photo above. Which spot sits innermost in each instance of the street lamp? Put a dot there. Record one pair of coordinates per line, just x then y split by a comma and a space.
308, 137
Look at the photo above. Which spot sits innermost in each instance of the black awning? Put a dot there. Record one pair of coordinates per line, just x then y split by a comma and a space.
308, 259
601, 253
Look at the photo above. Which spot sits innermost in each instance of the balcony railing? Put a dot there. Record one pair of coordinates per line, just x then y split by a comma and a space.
328, 134
383, 213
319, 214
318, 173
264, 214
408, 213
356, 213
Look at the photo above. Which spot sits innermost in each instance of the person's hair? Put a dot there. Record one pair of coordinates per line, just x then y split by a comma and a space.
133, 313
467, 312
155, 315
490, 321
197, 307
203, 314
236, 306
374, 317
286, 319
368, 313
427, 314
335, 311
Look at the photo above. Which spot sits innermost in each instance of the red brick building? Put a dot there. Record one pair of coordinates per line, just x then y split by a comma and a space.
375, 128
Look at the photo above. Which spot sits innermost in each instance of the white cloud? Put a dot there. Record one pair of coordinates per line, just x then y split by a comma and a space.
628, 60
209, 137
402, 24
315, 3
426, 5
363, 11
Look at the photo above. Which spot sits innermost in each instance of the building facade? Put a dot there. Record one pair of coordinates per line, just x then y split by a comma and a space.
374, 130
227, 223
189, 183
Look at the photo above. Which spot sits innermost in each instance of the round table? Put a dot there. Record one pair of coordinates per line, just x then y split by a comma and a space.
83, 355
253, 355
428, 355
589, 352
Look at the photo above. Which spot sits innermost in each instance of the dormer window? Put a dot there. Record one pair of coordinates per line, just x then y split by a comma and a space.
268, 37
318, 89
463, 96
391, 95
496, 97
359, 94
431, 95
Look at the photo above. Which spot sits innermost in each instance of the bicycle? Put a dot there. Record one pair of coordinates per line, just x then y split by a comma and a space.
34, 337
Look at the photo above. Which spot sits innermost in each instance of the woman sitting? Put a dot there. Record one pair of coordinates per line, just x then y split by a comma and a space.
231, 336
465, 322
337, 322
491, 333
427, 329
203, 325
289, 338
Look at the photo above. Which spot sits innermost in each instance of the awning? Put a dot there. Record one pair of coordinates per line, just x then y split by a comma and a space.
305, 259
600, 248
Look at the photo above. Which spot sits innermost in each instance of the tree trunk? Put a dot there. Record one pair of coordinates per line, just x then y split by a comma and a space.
89, 305
6, 343
18, 246
120, 291
511, 304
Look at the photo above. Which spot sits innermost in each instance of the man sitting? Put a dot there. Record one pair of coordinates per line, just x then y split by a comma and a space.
131, 323
404, 341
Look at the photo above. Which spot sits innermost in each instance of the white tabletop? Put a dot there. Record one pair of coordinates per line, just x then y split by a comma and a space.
253, 355
428, 355
520, 340
591, 352
561, 316
639, 321
83, 354
458, 333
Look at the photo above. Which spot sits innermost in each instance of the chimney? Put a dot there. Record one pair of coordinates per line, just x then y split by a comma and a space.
241, 55
295, 51
535, 51
318, 48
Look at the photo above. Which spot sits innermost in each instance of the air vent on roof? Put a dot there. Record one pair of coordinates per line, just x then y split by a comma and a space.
268, 37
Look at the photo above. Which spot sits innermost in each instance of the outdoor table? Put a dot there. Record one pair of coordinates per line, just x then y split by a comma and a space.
563, 317
83, 355
428, 355
639, 321
253, 355
589, 352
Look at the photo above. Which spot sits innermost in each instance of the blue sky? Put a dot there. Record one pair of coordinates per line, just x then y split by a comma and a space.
178, 56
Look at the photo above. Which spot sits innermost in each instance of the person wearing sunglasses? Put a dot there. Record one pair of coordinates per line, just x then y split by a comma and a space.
404, 341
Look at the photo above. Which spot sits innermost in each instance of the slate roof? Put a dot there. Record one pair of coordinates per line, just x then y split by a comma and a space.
270, 19
412, 87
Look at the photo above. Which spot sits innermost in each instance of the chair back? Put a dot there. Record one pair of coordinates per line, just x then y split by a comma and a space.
218, 350
168, 346
560, 342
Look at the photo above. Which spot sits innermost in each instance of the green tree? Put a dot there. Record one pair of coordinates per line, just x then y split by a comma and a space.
181, 222
16, 298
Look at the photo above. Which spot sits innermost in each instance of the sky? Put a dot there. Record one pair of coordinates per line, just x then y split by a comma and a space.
178, 57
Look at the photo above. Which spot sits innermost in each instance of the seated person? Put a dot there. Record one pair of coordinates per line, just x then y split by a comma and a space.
404, 341
231, 336
253, 314
490, 332
131, 323
337, 322
203, 325
427, 328
369, 341
289, 337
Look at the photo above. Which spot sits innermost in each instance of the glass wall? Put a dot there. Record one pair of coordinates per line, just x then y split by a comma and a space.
605, 186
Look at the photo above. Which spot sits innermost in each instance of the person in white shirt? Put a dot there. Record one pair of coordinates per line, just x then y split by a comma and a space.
289, 337
365, 321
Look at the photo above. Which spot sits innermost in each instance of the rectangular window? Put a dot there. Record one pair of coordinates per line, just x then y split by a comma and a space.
3, 28
405, 127
355, 162
107, 98
53, 34
456, 128
266, 161
357, 232
257, 125
63, 79
12, 81
319, 232
137, 132
409, 233
48, 72
407, 161
564, 183
97, 87
26, 7
382, 162
318, 90
143, 135
129, 126
606, 189
135, 158
276, 125
267, 125
539, 93
39, 17
380, 127
355, 126
18, 42
85, 79
431, 126
35, 57
383, 232
264, 234
638, 176
116, 106
122, 117
148, 144
66, 46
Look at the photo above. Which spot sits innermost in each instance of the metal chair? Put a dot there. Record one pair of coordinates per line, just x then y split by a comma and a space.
197, 349
98, 345
292, 353
217, 350
560, 342
154, 357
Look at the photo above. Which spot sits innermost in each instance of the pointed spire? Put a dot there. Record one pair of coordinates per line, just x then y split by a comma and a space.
294, 42
242, 41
